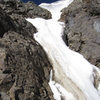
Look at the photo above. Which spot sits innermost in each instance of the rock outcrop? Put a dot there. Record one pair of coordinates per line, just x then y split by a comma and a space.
82, 31
29, 9
24, 66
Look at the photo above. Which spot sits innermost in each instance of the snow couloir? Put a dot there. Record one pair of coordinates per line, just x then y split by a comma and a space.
73, 74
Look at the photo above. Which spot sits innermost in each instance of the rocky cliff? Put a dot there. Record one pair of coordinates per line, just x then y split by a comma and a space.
24, 66
82, 30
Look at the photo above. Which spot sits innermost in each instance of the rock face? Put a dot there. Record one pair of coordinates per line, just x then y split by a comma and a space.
82, 31
29, 9
93, 6
6, 23
24, 66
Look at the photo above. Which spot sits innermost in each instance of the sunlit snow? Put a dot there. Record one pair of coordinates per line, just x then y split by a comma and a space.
56, 7
74, 75
59, 91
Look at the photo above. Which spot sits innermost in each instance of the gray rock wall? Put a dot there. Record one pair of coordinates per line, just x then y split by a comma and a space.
29, 9
24, 66
82, 31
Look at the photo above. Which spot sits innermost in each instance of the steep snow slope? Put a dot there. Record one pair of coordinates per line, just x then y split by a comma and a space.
72, 72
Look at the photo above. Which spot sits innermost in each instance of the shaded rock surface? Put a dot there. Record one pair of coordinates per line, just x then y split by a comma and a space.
24, 66
82, 31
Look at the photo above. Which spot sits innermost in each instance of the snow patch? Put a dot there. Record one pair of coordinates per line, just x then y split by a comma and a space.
56, 7
58, 91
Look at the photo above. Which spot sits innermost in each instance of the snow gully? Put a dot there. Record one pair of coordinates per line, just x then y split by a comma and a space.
73, 74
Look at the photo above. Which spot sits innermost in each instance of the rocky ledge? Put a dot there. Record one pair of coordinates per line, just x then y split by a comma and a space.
24, 66
82, 30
